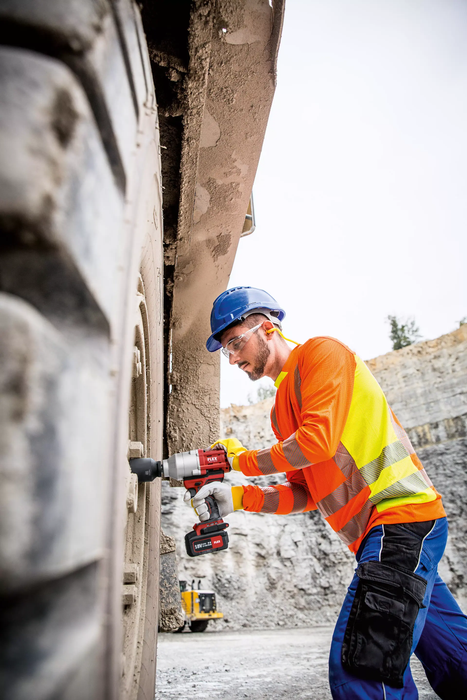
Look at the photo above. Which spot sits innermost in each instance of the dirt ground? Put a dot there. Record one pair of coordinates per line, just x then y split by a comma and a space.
256, 664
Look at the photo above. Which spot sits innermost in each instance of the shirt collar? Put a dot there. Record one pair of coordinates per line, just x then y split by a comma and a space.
289, 363
279, 379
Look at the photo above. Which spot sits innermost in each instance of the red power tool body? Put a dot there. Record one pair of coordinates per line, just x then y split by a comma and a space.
195, 468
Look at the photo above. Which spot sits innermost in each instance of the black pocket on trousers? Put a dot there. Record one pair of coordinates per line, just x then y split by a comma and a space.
378, 637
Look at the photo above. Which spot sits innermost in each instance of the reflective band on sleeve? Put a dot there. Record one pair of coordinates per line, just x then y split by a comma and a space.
294, 454
265, 463
300, 498
391, 454
274, 420
297, 385
271, 499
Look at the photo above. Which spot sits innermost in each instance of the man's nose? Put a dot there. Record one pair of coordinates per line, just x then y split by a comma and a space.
233, 358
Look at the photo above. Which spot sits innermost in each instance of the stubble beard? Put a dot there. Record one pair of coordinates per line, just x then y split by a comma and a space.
260, 362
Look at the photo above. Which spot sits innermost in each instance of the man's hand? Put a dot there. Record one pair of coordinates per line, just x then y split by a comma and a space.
228, 498
233, 448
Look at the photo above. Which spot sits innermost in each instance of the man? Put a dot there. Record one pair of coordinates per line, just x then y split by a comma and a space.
345, 453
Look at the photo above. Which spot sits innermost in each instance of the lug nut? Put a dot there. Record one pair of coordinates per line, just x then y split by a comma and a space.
130, 594
130, 575
135, 450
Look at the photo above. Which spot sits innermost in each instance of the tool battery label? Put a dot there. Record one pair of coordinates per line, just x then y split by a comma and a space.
213, 543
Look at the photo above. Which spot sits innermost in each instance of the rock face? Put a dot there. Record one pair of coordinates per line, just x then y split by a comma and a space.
293, 570
426, 386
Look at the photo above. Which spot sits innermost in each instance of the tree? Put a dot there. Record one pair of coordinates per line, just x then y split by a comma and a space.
403, 333
263, 392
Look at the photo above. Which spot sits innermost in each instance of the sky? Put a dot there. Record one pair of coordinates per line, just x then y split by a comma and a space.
361, 190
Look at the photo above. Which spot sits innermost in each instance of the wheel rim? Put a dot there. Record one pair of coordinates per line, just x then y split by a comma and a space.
135, 575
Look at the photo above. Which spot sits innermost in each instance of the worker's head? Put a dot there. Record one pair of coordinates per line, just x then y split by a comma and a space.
242, 323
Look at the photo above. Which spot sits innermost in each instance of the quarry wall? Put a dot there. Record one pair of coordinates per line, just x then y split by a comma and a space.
293, 570
426, 386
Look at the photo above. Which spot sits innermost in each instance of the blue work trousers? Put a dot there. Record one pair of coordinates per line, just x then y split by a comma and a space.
440, 630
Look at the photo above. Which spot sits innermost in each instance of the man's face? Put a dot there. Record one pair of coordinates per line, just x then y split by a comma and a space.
252, 358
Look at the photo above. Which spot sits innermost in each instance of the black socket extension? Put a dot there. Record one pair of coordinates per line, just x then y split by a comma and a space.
146, 469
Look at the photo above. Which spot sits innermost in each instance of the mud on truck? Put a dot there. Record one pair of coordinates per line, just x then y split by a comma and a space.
130, 136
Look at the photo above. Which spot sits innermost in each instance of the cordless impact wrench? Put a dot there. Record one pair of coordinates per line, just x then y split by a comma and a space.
195, 468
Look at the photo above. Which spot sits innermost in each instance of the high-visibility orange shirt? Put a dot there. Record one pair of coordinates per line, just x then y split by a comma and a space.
341, 447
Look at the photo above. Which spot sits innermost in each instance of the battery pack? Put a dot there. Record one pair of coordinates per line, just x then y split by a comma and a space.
205, 539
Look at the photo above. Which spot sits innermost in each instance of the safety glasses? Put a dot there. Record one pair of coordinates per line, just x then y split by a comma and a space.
236, 344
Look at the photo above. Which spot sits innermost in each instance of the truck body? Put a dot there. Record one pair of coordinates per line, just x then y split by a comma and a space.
130, 136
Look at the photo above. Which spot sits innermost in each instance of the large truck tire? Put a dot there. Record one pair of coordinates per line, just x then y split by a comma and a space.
81, 289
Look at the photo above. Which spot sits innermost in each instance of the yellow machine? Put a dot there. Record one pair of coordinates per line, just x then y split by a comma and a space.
199, 606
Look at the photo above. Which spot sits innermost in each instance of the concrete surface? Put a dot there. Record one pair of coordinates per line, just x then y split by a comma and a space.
258, 664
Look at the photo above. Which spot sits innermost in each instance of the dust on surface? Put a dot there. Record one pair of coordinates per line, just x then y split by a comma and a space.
256, 664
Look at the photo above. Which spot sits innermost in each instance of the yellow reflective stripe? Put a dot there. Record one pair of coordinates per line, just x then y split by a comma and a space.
368, 429
391, 454
392, 474
280, 378
408, 486
422, 497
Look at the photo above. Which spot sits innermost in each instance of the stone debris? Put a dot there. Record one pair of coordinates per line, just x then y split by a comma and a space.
258, 664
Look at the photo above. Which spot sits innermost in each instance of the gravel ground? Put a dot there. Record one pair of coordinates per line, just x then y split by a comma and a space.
256, 664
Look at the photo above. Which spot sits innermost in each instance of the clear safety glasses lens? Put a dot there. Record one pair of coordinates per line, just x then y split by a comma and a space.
236, 344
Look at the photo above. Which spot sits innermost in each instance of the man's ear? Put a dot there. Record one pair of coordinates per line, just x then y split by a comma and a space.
269, 329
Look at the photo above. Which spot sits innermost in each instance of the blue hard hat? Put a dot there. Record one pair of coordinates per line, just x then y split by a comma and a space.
236, 303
